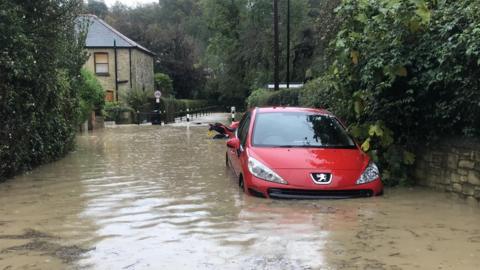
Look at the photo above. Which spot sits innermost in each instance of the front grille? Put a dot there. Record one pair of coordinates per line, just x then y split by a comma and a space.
277, 193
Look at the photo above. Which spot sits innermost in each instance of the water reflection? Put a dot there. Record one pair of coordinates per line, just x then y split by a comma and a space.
161, 198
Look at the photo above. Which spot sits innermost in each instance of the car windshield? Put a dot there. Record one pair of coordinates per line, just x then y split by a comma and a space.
299, 129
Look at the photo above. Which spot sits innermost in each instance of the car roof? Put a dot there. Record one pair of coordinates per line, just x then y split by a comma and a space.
292, 109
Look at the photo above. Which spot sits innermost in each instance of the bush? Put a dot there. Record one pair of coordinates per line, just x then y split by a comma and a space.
399, 91
138, 100
258, 98
193, 103
263, 97
113, 111
92, 95
173, 107
39, 80
323, 93
284, 97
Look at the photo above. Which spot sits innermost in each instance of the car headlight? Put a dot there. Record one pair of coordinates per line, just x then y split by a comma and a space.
261, 171
369, 174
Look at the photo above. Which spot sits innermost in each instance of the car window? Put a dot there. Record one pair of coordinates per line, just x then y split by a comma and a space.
299, 129
243, 130
240, 126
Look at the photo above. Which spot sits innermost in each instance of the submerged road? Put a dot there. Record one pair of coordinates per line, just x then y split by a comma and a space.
160, 197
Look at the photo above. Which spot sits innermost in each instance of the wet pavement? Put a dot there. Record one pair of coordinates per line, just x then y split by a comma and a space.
160, 197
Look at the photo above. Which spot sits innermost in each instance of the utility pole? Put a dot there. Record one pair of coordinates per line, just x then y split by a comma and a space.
276, 50
288, 44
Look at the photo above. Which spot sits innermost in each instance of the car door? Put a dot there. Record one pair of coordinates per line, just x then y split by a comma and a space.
241, 134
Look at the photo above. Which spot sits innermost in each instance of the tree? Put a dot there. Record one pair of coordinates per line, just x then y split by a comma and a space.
97, 7
174, 31
91, 93
164, 84
240, 50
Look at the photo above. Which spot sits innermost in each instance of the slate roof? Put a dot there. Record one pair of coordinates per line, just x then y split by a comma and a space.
102, 35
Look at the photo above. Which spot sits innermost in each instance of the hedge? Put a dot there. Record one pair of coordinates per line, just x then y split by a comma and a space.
173, 107
39, 78
263, 97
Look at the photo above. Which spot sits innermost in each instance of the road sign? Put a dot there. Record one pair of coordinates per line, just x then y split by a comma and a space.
157, 95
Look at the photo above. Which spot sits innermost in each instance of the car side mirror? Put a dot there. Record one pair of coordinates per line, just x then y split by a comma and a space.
233, 143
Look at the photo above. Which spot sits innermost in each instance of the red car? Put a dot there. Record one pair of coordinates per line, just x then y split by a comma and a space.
299, 153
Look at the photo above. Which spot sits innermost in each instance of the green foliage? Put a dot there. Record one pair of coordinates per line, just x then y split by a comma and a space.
239, 53
399, 91
138, 100
97, 7
172, 29
40, 62
283, 97
91, 93
262, 97
324, 93
392, 86
113, 111
164, 84
219, 50
172, 106
258, 98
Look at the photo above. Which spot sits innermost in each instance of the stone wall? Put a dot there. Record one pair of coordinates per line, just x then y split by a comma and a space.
141, 70
107, 80
451, 165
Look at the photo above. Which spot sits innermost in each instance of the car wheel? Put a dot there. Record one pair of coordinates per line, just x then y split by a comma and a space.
241, 183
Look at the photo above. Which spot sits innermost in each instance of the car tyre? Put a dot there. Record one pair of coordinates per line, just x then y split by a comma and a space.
241, 183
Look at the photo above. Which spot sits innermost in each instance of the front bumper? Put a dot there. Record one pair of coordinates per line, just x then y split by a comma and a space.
306, 194
261, 188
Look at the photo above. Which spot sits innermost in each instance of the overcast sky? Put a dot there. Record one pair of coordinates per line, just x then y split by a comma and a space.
131, 3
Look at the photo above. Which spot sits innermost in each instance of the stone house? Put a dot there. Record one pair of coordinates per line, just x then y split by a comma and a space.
119, 63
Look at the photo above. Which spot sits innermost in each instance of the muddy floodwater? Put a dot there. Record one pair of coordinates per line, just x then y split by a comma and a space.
154, 197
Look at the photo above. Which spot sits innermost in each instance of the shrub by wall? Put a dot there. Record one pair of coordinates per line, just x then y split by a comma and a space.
40, 67
114, 111
258, 98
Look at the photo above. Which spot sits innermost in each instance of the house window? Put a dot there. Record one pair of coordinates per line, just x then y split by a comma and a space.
101, 63
109, 96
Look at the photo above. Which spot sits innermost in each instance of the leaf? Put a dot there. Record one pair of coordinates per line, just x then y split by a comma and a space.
424, 13
355, 131
414, 26
354, 55
408, 158
358, 107
366, 145
375, 130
